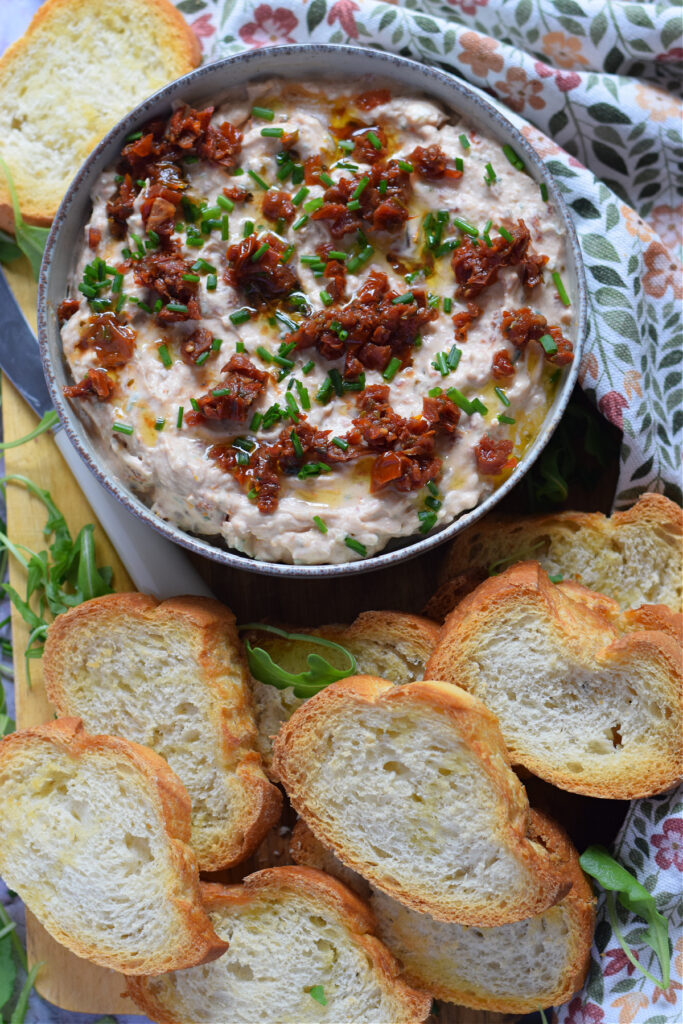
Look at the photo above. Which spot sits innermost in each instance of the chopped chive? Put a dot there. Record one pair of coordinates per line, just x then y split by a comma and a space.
287, 254
313, 204
561, 290
263, 113
353, 204
427, 520
548, 343
337, 382
195, 404
360, 187
490, 176
401, 300
300, 222
501, 394
176, 307
256, 421
464, 225
346, 145
211, 283
308, 367
263, 354
202, 358
356, 546
217, 342
432, 488
293, 408
374, 140
119, 302
464, 141
304, 397
405, 165
201, 264
383, 186
447, 304
502, 418
433, 503
544, 191
505, 234
179, 420
363, 256
159, 423
157, 306
459, 164
252, 494
282, 361
225, 203
190, 277
225, 228
441, 365
320, 524
435, 392
453, 358
336, 254
479, 406
298, 174
513, 158
296, 444
239, 347
259, 180
272, 133
326, 179
220, 392
433, 301
165, 356
392, 369
122, 428
339, 442
460, 400
240, 316
153, 238
326, 298
325, 391
487, 227
248, 228
261, 251
87, 290
300, 195
133, 136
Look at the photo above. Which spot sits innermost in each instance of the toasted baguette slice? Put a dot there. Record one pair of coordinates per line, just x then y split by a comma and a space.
634, 557
579, 705
390, 645
172, 677
291, 930
79, 68
514, 968
411, 787
93, 837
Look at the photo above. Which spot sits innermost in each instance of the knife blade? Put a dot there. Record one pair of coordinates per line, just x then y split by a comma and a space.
155, 564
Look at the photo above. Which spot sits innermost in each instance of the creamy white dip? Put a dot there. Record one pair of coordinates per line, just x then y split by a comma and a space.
170, 467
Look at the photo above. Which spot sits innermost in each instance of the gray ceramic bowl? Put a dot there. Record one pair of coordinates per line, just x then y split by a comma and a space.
305, 61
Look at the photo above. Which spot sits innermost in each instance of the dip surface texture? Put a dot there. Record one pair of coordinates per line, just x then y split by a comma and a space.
310, 320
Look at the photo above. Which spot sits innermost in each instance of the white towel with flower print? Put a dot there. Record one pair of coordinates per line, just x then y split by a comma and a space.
593, 86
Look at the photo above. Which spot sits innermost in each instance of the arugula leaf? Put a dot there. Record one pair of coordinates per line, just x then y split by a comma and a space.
306, 684
318, 993
19, 1015
6, 724
47, 422
633, 896
9, 250
30, 239
8, 968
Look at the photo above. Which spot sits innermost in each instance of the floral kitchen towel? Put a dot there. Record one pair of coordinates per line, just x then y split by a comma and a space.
595, 87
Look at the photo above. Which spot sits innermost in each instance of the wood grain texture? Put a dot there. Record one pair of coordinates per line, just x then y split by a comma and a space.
67, 980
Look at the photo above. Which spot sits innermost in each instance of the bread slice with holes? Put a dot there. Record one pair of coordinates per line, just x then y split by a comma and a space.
391, 645
634, 556
79, 68
513, 968
411, 787
581, 703
94, 837
171, 676
301, 949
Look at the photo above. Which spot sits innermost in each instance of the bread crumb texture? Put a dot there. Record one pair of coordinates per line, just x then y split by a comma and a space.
79, 68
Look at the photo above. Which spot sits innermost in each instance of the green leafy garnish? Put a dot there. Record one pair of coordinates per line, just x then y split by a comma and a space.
318, 993
57, 579
29, 238
544, 1019
47, 422
9, 250
320, 673
633, 896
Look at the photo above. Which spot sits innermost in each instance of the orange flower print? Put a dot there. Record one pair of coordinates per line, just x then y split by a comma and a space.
629, 1005
667, 222
518, 90
662, 272
588, 368
542, 144
632, 384
669, 993
635, 225
658, 104
479, 52
562, 50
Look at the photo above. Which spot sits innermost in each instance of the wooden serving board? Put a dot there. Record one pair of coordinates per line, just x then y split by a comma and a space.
65, 979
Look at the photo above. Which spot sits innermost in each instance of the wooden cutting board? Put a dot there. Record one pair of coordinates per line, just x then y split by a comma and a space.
65, 979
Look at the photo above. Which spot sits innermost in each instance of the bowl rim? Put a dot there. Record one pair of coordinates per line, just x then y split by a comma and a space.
400, 549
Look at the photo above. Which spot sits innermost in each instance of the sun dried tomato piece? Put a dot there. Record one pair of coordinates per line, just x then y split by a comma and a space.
383, 200
158, 208
278, 205
431, 163
120, 206
66, 309
186, 126
195, 345
237, 194
491, 455
94, 237
463, 320
162, 272
221, 145
243, 383
265, 278
372, 98
523, 325
112, 339
502, 366
442, 414
365, 150
476, 265
96, 383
